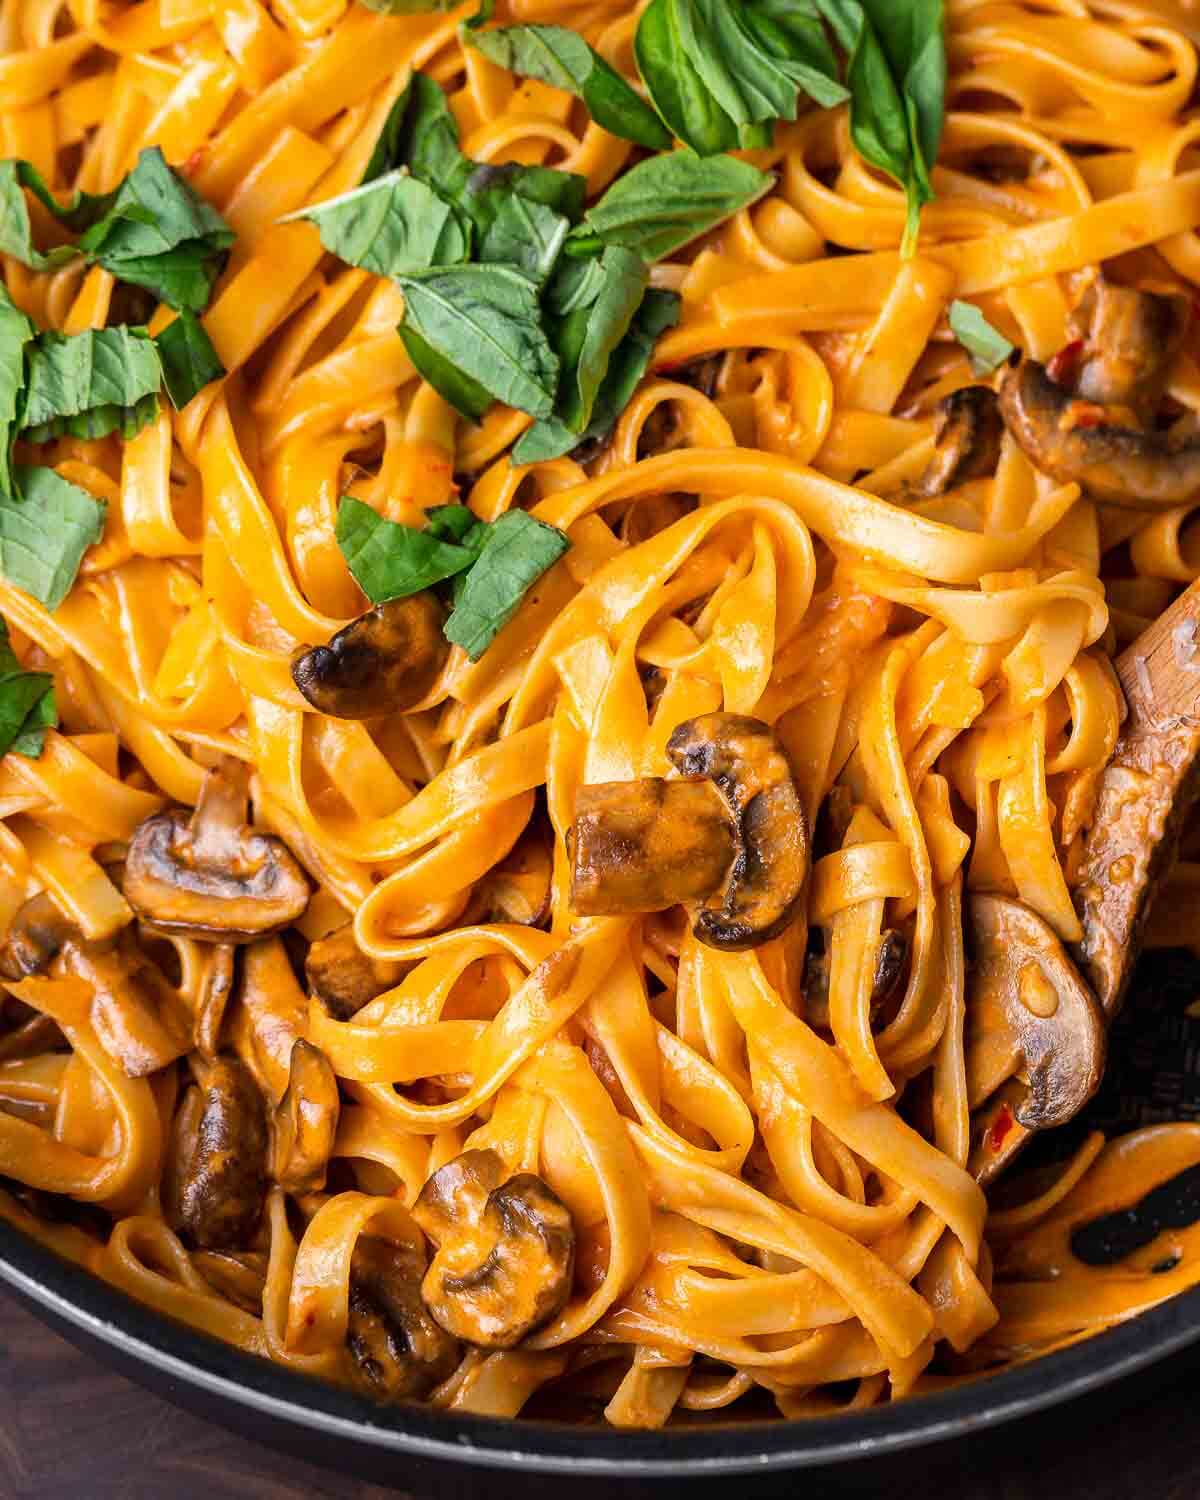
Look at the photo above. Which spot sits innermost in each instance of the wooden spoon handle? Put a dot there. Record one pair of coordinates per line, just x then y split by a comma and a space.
1144, 796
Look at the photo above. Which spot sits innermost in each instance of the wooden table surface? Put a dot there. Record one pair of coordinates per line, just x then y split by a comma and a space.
71, 1428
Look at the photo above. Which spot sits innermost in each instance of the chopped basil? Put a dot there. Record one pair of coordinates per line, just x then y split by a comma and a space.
90, 384
564, 60
408, 7
516, 553
154, 231
720, 71
393, 225
45, 528
897, 79
16, 331
189, 361
463, 393
486, 322
585, 339
630, 360
986, 345
667, 200
524, 234
390, 561
26, 703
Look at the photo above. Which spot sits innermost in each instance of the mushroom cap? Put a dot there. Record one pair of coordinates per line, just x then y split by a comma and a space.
1130, 338
213, 878
1139, 469
35, 937
505, 1250
967, 438
384, 662
398, 1349
343, 977
305, 1122
1029, 1013
766, 879
217, 1181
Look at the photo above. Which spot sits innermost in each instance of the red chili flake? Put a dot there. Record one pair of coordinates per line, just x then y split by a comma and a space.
193, 162
1062, 368
1001, 1126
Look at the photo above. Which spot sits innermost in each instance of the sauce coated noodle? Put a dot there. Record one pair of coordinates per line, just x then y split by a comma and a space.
765, 1200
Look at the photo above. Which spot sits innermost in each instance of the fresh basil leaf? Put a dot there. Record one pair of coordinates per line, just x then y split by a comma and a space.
16, 229
487, 189
564, 60
662, 51
897, 79
463, 393
518, 550
90, 384
390, 561
16, 331
721, 71
576, 283
159, 233
189, 361
457, 523
986, 345
604, 325
45, 528
667, 200
486, 322
420, 133
26, 703
524, 234
630, 360
392, 226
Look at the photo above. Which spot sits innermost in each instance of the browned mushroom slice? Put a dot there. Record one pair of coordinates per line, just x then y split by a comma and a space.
1029, 1015
270, 1013
890, 963
645, 845
1129, 339
35, 938
381, 663
217, 1178
215, 992
209, 875
505, 1250
967, 440
398, 1348
517, 890
343, 977
1089, 417
133, 1007
305, 1122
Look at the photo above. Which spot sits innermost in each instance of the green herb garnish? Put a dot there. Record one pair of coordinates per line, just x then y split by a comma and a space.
45, 528
90, 384
516, 553
26, 703
986, 345
561, 58
189, 361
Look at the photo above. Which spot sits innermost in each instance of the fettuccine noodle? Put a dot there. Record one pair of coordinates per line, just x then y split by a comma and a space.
769, 1197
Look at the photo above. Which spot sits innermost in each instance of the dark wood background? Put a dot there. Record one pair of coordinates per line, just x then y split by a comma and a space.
71, 1428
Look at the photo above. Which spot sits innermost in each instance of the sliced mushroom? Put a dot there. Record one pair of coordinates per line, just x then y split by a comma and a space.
133, 1009
505, 1250
646, 845
891, 960
1029, 1015
1095, 423
270, 1013
305, 1122
208, 875
967, 437
517, 890
215, 992
343, 977
217, 1179
398, 1348
381, 663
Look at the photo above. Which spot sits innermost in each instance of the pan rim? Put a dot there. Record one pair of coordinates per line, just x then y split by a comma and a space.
108, 1316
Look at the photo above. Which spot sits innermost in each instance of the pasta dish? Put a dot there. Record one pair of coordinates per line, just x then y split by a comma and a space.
567, 574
